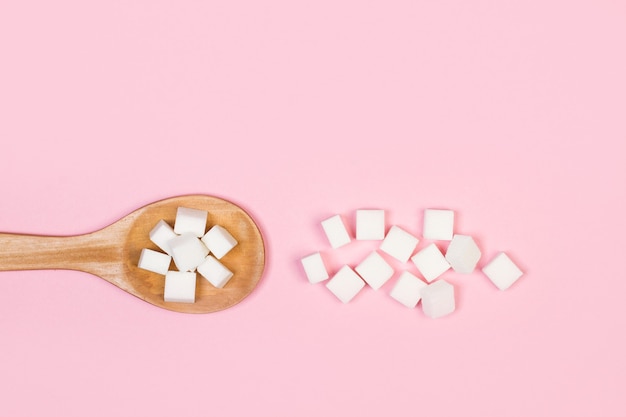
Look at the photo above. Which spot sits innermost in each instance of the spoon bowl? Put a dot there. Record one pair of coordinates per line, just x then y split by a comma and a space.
112, 253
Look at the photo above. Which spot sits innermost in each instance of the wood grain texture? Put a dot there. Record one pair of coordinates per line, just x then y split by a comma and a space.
112, 253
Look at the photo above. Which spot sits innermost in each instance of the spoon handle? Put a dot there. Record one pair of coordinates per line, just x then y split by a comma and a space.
87, 252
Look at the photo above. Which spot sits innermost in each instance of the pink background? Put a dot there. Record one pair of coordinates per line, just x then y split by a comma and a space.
510, 112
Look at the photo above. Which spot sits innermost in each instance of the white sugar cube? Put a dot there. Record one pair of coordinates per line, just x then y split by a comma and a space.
463, 254
438, 299
374, 270
219, 241
399, 243
161, 234
502, 271
180, 287
189, 220
188, 251
345, 284
215, 272
370, 224
314, 268
336, 231
408, 289
430, 262
154, 261
438, 224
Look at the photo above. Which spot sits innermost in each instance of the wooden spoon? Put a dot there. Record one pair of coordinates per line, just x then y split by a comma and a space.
112, 253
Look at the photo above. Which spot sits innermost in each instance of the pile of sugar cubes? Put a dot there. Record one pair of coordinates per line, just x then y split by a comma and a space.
436, 294
192, 250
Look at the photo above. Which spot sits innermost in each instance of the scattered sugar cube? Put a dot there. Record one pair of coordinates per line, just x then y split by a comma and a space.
161, 234
336, 231
190, 220
399, 243
370, 224
374, 270
430, 262
438, 224
502, 271
219, 241
345, 284
314, 268
463, 254
438, 299
154, 261
215, 272
188, 252
407, 289
180, 287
